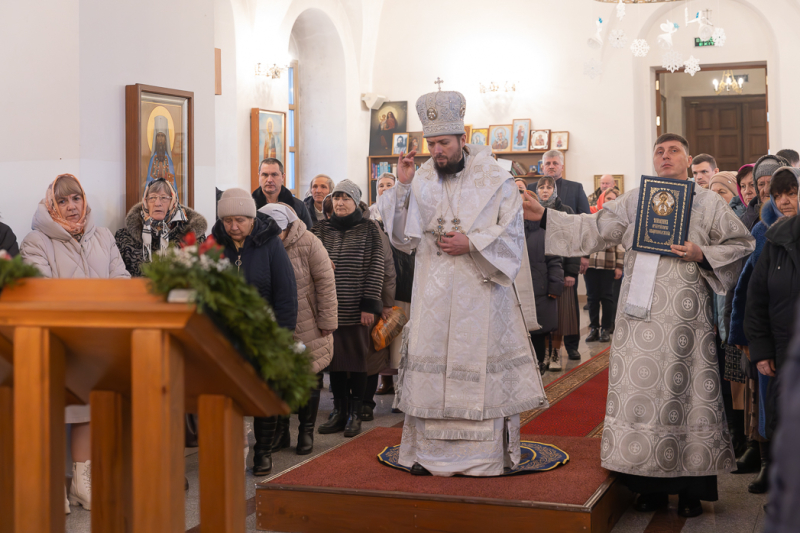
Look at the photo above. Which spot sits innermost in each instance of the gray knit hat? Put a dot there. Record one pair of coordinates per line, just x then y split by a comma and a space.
766, 166
236, 203
349, 188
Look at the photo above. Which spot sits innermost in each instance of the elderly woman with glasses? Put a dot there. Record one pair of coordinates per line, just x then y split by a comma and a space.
154, 223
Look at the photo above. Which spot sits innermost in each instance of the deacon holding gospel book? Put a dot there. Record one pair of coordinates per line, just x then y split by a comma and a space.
665, 427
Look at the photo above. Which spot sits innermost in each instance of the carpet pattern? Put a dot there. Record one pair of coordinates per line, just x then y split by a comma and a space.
534, 457
355, 467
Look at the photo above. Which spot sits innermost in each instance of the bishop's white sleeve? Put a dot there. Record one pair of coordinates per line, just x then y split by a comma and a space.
497, 249
400, 216
581, 235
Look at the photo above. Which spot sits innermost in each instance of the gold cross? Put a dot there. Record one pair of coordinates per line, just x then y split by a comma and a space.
439, 232
439, 82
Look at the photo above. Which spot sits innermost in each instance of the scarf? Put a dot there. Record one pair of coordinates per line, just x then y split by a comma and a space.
602, 199
550, 202
162, 228
737, 184
348, 221
73, 228
282, 214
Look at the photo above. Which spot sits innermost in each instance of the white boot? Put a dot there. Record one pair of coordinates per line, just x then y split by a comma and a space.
66, 502
555, 361
80, 492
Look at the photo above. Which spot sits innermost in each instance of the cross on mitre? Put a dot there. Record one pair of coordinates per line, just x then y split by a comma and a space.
439, 82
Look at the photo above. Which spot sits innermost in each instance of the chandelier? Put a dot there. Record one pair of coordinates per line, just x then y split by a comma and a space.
494, 88
729, 83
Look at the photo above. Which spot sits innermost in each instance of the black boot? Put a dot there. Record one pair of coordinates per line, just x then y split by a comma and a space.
282, 438
337, 419
353, 426
264, 429
604, 336
307, 415
760, 484
689, 507
594, 334
736, 427
750, 461
647, 503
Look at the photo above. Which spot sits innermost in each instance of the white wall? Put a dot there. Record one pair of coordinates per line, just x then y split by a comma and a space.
67, 95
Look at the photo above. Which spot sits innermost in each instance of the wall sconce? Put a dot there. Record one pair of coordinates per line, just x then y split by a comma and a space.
494, 88
273, 72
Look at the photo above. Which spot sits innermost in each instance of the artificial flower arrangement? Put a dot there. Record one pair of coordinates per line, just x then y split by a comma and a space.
239, 311
12, 269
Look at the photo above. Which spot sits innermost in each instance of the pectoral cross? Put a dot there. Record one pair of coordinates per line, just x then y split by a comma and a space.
439, 232
439, 82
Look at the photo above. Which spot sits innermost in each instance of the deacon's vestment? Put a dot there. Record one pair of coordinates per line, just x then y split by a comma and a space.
468, 369
664, 412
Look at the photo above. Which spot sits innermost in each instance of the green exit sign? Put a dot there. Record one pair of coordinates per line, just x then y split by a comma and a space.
698, 42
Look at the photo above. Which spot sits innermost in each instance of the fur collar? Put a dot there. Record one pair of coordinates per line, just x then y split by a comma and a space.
134, 223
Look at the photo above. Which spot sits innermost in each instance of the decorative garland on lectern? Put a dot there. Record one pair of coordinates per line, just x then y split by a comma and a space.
14, 269
239, 311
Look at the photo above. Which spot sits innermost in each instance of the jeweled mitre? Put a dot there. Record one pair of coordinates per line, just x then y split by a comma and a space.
442, 113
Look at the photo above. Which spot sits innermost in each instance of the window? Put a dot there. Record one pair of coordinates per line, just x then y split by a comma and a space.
292, 135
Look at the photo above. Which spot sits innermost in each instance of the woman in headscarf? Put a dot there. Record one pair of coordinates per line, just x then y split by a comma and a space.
385, 182
317, 314
154, 223
724, 184
568, 299
65, 243
321, 186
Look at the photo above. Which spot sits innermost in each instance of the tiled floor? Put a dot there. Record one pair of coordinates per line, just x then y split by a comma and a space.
736, 511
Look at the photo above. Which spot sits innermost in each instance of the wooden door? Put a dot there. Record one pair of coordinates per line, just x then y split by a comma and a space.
732, 129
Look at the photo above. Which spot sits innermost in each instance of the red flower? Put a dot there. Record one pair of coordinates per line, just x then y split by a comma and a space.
189, 239
209, 244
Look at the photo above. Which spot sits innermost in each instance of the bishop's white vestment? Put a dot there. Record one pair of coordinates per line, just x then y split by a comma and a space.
468, 368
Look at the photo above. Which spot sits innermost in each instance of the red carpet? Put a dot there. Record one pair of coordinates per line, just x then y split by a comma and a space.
356, 466
577, 414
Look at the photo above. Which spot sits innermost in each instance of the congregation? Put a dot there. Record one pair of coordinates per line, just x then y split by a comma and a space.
330, 272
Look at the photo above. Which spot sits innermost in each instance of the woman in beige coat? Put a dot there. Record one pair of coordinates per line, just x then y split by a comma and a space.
65, 243
317, 313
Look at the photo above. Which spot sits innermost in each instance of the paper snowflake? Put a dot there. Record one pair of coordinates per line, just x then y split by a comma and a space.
672, 60
691, 66
639, 47
620, 10
618, 39
592, 68
719, 37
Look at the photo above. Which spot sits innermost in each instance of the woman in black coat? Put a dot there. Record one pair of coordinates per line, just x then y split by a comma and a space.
354, 245
568, 318
547, 274
772, 295
252, 243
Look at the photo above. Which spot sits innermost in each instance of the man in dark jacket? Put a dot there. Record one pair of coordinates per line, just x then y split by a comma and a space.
271, 178
572, 195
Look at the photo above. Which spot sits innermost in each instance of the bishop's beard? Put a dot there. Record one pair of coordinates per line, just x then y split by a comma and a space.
451, 167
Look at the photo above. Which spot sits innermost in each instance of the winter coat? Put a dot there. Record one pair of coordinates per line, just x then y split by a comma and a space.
57, 254
316, 293
8, 241
739, 209
285, 197
784, 478
736, 335
312, 211
572, 265
129, 238
265, 265
771, 303
547, 274
356, 250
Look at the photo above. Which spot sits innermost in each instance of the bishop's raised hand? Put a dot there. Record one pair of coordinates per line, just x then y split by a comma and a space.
406, 167
531, 208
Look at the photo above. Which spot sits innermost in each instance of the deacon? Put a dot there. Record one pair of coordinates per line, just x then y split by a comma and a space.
665, 427
468, 368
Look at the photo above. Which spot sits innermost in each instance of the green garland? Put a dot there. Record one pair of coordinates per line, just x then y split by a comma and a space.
13, 270
240, 311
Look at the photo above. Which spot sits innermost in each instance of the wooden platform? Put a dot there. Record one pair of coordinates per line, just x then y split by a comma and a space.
345, 497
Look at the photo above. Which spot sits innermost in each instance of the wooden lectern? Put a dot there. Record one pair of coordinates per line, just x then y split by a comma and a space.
141, 363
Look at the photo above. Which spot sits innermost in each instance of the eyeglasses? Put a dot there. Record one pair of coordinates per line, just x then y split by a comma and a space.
162, 199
